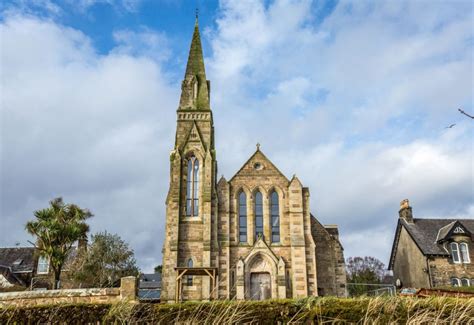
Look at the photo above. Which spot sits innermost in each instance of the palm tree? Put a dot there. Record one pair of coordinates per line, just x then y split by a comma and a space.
57, 228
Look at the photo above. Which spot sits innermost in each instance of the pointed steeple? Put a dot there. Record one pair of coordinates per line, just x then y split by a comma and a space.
195, 64
195, 87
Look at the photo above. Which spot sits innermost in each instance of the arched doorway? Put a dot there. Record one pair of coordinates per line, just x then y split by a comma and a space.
257, 274
260, 286
261, 276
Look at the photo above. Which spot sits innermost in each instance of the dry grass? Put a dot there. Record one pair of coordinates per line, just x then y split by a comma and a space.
393, 310
380, 310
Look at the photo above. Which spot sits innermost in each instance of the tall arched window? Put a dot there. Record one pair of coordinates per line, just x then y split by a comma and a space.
192, 189
189, 280
275, 212
463, 248
242, 217
455, 252
258, 215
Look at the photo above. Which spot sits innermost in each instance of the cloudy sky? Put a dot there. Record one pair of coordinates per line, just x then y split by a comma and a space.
352, 97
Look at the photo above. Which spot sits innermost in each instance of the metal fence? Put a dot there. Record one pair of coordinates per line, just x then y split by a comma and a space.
371, 289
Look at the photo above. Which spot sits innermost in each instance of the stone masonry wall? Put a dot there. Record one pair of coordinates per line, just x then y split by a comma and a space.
410, 263
331, 270
127, 291
442, 269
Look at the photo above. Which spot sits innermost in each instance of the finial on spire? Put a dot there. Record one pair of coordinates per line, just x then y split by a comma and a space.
197, 13
258, 146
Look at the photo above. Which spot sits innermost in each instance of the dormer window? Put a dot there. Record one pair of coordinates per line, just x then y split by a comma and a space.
460, 253
43, 265
464, 249
455, 252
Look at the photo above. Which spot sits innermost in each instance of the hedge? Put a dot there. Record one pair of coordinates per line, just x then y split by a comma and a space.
60, 313
381, 310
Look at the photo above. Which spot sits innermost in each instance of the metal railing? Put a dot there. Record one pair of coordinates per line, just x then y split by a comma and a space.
381, 289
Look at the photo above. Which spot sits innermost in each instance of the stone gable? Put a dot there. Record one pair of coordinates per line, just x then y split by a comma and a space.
258, 165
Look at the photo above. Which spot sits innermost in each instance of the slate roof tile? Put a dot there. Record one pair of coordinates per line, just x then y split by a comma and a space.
23, 255
425, 233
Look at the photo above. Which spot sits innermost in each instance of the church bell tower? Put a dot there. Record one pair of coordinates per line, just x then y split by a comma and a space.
191, 212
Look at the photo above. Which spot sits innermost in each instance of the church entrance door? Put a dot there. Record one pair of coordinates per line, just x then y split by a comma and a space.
260, 286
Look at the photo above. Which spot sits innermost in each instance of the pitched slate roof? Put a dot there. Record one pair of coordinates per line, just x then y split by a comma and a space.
150, 281
331, 230
443, 232
18, 259
425, 233
149, 294
7, 273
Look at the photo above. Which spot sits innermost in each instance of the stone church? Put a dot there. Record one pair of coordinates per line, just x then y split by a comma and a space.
250, 237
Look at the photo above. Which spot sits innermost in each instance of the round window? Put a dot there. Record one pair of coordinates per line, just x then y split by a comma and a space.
257, 166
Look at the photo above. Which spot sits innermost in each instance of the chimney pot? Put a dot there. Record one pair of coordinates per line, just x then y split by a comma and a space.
404, 204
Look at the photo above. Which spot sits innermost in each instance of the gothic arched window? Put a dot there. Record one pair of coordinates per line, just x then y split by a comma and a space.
192, 188
258, 215
242, 217
275, 213
189, 280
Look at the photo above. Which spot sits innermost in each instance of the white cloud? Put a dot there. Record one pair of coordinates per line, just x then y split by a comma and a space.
142, 43
127, 5
355, 105
92, 128
33, 7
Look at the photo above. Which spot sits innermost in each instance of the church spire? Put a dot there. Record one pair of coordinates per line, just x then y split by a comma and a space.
195, 87
196, 60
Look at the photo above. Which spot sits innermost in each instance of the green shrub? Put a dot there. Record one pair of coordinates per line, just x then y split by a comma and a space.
59, 313
457, 289
380, 310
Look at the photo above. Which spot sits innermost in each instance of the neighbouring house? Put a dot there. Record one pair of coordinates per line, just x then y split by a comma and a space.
149, 287
252, 236
17, 265
428, 253
26, 268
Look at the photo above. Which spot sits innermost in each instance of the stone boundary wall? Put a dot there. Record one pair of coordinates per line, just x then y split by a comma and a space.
127, 291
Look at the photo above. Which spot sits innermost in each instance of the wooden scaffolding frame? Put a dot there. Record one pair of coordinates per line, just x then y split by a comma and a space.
199, 271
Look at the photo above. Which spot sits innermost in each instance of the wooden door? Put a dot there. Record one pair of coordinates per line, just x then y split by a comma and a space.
260, 286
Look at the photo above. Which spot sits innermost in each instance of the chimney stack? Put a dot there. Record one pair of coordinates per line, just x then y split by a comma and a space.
405, 211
